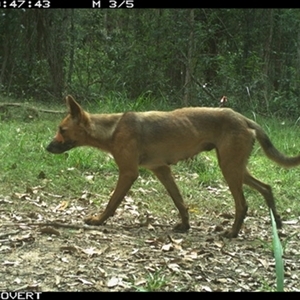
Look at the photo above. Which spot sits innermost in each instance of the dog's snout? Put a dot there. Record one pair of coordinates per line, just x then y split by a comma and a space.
56, 147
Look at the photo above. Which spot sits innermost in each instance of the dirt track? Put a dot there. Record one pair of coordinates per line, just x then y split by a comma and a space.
133, 251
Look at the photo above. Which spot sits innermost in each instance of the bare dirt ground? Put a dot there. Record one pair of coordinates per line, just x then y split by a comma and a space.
44, 246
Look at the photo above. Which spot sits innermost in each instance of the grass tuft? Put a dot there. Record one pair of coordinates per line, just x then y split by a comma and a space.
278, 252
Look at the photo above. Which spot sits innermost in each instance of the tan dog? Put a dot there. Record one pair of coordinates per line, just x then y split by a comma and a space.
156, 140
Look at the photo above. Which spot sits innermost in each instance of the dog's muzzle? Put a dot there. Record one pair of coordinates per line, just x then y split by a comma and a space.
56, 147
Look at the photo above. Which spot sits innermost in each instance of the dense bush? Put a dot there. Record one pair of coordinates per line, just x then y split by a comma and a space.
184, 56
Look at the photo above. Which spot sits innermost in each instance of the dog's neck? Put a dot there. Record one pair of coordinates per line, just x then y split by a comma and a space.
102, 127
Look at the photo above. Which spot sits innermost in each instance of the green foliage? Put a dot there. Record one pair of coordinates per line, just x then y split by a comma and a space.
166, 53
278, 252
154, 282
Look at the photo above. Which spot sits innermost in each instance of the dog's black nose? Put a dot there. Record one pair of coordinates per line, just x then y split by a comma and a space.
51, 148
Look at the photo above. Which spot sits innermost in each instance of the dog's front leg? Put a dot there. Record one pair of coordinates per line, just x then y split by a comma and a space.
125, 181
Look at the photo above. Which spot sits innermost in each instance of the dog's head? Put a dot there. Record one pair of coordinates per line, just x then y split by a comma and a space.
72, 130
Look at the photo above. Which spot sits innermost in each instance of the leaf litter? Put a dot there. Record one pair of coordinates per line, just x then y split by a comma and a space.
44, 246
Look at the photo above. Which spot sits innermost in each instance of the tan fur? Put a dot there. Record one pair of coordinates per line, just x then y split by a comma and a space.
156, 140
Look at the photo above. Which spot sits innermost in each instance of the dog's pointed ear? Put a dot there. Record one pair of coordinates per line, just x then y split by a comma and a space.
75, 110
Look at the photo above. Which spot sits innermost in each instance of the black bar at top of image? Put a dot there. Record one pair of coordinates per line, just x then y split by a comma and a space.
121, 4
126, 4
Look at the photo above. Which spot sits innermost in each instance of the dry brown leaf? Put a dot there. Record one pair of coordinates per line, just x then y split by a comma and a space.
8, 263
64, 259
206, 288
62, 206
167, 247
89, 177
174, 267
264, 262
84, 281
92, 251
175, 241
114, 281
49, 230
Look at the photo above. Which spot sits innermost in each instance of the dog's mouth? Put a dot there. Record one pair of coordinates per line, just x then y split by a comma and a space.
56, 147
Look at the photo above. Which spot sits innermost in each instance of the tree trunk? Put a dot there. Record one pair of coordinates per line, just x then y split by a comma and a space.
4, 63
189, 63
298, 56
51, 29
267, 56
72, 49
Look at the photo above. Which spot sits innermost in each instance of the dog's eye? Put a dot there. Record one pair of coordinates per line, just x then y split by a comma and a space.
61, 130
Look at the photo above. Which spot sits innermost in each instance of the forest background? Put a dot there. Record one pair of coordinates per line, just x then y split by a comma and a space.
179, 56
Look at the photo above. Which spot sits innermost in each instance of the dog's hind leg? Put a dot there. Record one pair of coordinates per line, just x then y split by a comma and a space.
241, 207
266, 192
232, 163
164, 175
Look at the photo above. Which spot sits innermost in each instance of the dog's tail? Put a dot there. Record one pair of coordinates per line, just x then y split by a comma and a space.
270, 149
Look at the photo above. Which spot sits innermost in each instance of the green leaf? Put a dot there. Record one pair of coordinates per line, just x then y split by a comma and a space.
278, 255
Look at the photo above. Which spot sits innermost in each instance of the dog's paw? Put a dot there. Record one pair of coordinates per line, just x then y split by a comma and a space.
93, 220
181, 227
